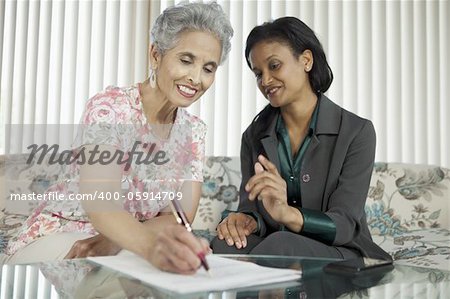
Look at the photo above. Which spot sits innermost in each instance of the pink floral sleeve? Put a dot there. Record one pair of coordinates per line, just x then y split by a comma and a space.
190, 151
198, 149
104, 117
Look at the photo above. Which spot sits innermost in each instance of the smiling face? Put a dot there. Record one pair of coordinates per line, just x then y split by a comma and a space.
281, 77
187, 70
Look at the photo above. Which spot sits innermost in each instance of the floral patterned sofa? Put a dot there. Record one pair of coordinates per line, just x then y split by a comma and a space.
407, 205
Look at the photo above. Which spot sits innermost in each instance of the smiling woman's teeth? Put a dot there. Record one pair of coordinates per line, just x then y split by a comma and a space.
272, 90
186, 90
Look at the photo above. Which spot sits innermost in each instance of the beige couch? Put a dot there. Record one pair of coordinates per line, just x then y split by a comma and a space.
407, 206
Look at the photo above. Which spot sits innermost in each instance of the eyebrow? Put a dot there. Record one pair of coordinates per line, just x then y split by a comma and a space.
267, 59
192, 56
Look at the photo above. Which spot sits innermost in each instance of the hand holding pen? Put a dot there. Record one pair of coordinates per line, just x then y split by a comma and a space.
183, 220
174, 249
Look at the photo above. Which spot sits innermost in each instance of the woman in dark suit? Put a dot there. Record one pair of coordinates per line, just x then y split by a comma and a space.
306, 162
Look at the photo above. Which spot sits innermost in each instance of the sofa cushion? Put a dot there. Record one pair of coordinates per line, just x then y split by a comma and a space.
428, 248
407, 197
220, 191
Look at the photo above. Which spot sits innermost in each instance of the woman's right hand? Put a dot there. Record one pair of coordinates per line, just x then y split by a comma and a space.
235, 228
177, 250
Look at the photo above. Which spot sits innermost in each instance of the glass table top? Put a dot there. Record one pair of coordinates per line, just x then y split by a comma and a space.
80, 278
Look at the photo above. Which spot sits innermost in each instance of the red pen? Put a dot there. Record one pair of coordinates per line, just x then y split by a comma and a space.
182, 219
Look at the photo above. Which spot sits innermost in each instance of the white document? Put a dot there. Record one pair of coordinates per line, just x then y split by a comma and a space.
225, 274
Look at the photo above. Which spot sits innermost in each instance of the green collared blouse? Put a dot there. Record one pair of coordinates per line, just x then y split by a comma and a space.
316, 224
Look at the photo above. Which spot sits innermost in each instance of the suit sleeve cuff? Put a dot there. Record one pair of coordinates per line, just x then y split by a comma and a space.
318, 226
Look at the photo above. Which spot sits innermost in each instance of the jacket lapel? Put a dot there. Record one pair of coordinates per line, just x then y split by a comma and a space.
267, 134
317, 159
270, 147
329, 117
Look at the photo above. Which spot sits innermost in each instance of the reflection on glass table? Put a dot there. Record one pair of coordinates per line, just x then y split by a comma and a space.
82, 279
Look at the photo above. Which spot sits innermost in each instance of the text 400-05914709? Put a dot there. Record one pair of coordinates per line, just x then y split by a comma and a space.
137, 195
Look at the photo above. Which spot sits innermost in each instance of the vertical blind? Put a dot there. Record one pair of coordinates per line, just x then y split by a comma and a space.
25, 281
390, 60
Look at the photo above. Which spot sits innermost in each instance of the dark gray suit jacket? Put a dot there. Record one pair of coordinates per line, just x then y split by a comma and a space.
335, 174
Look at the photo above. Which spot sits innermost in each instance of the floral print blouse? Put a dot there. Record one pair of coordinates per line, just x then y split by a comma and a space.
115, 118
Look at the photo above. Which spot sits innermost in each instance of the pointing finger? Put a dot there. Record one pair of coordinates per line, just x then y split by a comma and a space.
258, 168
269, 166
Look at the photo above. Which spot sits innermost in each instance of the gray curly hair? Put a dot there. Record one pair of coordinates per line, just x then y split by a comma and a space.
174, 20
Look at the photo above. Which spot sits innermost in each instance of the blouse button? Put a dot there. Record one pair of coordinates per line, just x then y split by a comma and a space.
291, 178
306, 178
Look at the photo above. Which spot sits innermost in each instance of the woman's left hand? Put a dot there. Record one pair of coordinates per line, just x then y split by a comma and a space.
98, 245
268, 186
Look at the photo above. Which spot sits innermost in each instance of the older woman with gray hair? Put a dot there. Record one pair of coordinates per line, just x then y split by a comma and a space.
188, 43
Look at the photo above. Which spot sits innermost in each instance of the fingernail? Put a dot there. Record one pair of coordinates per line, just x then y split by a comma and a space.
201, 256
229, 242
238, 245
244, 244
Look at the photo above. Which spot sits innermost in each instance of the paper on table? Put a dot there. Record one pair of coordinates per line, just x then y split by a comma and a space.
225, 274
